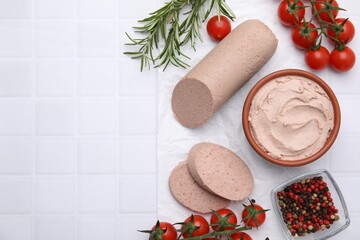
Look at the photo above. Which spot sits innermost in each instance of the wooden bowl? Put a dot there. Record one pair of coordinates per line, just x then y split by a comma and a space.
330, 140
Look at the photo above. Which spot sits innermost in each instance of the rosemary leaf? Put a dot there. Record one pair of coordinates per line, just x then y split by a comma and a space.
165, 24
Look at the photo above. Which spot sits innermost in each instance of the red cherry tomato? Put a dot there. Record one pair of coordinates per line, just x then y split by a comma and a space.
323, 7
240, 236
199, 223
253, 215
168, 229
343, 30
342, 60
304, 37
223, 225
218, 30
317, 59
286, 12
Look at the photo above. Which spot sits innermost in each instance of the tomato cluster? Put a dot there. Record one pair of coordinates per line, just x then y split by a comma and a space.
222, 222
307, 36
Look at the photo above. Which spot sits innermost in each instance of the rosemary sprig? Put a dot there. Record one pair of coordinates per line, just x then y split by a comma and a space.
165, 24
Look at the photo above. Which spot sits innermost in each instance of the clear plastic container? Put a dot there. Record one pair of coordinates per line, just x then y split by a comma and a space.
338, 201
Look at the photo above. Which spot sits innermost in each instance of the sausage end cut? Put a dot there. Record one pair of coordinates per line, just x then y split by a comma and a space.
192, 103
220, 171
186, 191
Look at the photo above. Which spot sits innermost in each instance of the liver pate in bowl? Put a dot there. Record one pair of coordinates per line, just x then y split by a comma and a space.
291, 117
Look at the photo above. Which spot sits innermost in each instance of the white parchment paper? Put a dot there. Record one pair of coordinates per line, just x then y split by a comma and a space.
225, 127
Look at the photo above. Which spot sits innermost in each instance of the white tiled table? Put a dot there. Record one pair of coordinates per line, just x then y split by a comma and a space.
74, 112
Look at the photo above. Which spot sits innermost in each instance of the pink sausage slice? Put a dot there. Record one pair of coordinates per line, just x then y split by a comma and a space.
186, 191
220, 74
220, 171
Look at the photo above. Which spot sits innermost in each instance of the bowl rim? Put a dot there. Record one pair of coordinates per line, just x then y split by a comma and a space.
330, 140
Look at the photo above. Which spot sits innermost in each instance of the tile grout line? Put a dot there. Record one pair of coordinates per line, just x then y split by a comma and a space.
118, 128
76, 123
33, 65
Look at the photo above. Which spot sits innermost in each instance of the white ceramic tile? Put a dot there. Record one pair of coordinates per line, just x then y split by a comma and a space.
355, 43
129, 225
15, 196
97, 39
97, 195
348, 188
97, 117
132, 9
16, 155
97, 155
55, 39
343, 154
15, 78
55, 8
137, 116
97, 78
138, 154
16, 228
55, 117
15, 39
55, 78
352, 7
54, 195
54, 228
55, 155
96, 8
349, 122
16, 117
132, 200
15, 8
133, 82
97, 229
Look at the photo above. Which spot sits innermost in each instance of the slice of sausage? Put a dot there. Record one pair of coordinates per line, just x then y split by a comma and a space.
222, 73
186, 191
220, 171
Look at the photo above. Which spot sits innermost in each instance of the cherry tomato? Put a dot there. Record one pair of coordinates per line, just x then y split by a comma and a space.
323, 7
195, 225
240, 236
218, 30
166, 230
304, 37
342, 60
343, 30
317, 59
224, 221
286, 12
253, 215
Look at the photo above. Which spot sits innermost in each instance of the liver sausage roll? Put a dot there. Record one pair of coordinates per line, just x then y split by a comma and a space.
221, 171
222, 72
186, 191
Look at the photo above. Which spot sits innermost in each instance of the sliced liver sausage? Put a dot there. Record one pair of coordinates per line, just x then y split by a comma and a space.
221, 171
190, 194
222, 72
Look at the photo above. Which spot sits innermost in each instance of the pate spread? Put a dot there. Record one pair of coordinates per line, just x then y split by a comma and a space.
291, 117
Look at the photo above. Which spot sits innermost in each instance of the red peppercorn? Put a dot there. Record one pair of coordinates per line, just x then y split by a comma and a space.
308, 206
